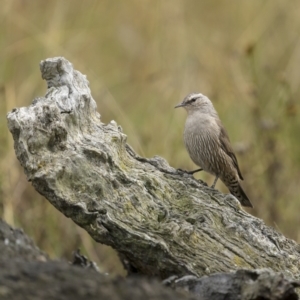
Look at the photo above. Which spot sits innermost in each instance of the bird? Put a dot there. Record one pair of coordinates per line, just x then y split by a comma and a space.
208, 145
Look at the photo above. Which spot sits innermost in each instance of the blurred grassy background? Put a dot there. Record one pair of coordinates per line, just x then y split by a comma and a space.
142, 58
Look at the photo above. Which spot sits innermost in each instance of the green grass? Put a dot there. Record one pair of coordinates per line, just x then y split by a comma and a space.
142, 58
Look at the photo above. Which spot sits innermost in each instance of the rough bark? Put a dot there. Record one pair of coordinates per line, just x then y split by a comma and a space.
243, 285
27, 273
164, 222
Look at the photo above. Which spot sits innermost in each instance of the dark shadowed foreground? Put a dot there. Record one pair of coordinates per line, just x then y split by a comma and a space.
163, 222
27, 273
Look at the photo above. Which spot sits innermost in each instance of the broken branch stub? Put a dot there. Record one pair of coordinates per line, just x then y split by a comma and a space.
163, 221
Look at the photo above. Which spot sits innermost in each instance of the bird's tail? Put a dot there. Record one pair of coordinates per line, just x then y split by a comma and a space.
237, 191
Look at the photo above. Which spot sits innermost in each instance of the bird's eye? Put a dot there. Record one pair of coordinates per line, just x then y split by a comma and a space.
193, 100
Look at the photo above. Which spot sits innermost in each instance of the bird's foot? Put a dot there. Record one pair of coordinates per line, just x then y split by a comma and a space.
182, 171
188, 172
195, 171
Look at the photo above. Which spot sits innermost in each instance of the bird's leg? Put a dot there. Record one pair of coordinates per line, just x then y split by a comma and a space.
195, 171
216, 179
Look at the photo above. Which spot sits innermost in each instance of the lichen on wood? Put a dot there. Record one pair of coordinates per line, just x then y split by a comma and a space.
162, 220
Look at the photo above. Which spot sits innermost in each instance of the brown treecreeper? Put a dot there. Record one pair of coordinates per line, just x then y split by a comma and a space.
209, 146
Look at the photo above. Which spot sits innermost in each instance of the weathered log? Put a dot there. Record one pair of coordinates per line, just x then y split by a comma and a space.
26, 273
242, 284
163, 221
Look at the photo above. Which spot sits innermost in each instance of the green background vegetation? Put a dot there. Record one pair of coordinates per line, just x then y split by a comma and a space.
141, 58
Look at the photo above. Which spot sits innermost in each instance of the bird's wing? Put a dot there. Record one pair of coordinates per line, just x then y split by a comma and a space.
226, 147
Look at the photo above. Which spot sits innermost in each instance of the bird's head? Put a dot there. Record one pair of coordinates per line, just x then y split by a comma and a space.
197, 102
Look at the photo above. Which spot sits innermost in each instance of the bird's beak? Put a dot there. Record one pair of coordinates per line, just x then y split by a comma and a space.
179, 105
